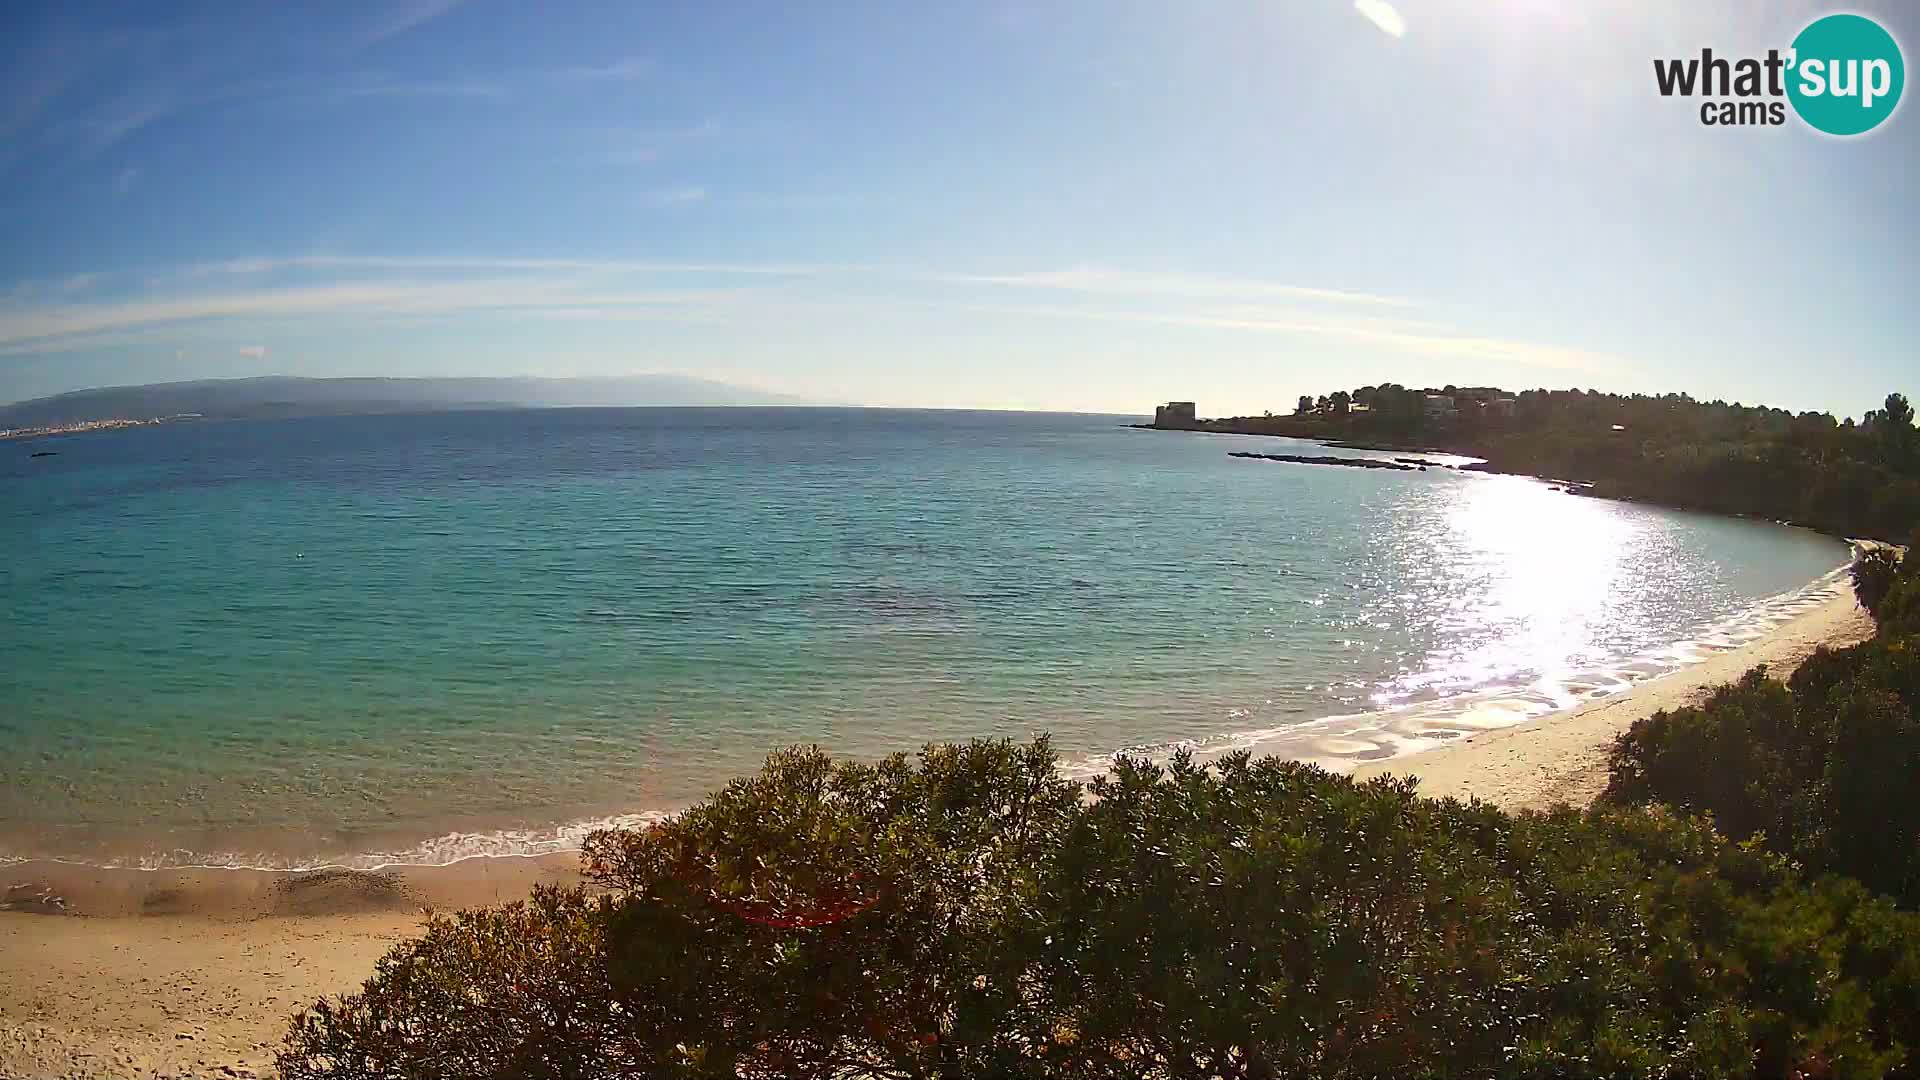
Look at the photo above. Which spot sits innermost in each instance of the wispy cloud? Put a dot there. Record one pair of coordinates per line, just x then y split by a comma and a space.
100, 127
253, 352
62, 327
486, 263
1383, 15
645, 146
380, 87
632, 155
803, 200
43, 67
495, 85
1104, 280
1429, 340
681, 195
619, 71
1011, 17
106, 125
237, 293
400, 17
78, 91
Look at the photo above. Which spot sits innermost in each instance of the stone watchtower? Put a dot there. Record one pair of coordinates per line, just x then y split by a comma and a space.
1175, 414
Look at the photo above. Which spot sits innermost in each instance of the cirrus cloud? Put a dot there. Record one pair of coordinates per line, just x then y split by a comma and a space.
358, 290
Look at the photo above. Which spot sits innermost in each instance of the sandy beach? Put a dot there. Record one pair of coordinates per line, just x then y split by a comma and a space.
190, 973
194, 973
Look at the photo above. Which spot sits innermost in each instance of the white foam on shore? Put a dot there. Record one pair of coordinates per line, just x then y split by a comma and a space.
443, 850
1340, 743
1344, 742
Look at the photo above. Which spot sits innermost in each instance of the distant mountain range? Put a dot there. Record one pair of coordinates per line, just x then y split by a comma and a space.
282, 395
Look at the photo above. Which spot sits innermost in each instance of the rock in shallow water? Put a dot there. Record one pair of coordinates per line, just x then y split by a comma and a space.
1352, 463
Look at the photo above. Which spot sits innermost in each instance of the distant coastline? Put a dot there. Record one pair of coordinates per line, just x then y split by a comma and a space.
285, 396
83, 426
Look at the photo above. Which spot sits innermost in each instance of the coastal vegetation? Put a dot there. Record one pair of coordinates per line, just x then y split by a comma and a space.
970, 912
1823, 768
1810, 468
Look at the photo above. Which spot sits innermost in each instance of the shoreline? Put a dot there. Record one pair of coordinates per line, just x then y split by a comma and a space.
1560, 757
189, 972
1365, 743
1486, 467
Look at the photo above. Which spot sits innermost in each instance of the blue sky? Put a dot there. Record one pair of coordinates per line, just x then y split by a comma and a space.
1074, 205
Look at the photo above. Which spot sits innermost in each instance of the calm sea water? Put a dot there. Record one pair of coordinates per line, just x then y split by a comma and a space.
417, 637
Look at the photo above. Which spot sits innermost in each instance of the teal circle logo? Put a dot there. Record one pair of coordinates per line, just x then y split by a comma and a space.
1845, 74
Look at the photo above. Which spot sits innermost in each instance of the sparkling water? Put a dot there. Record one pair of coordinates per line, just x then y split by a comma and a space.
362, 639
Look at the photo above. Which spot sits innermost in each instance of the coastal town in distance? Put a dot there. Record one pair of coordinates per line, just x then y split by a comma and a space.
80, 426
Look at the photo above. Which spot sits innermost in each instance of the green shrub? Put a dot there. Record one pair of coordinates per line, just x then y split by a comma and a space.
1825, 768
518, 991
972, 914
1873, 573
1740, 756
1900, 611
1898, 606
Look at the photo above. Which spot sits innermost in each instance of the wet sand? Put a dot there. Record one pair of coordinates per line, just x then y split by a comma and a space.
191, 973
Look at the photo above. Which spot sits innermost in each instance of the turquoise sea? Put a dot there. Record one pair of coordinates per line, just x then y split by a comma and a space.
360, 640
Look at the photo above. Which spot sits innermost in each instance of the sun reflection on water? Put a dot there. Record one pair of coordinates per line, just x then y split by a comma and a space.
1519, 582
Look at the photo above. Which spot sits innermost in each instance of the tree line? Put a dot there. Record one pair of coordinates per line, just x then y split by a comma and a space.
1810, 468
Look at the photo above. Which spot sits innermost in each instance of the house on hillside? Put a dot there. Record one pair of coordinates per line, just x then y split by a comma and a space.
1439, 407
